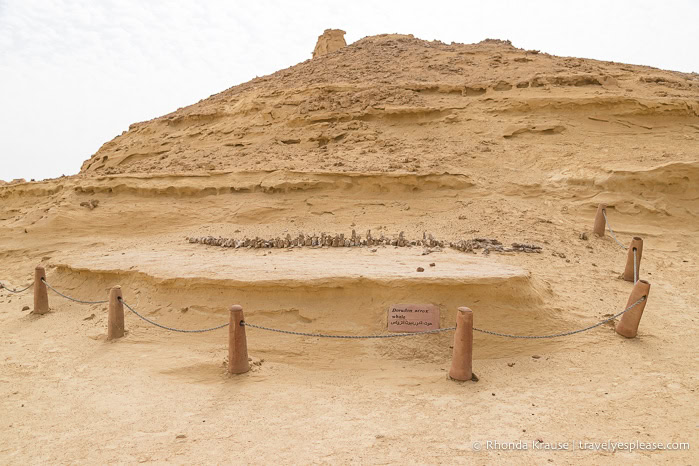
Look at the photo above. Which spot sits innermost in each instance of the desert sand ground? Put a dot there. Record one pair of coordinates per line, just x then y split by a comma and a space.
389, 134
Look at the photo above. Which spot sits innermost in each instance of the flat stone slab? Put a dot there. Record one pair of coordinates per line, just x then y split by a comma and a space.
296, 265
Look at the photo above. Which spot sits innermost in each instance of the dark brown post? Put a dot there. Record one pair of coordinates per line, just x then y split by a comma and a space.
637, 247
628, 325
462, 358
115, 319
600, 222
237, 343
41, 295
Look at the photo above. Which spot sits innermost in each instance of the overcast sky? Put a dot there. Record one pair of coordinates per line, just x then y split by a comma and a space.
75, 73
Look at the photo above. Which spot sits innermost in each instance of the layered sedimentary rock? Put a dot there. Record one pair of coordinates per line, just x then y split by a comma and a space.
394, 103
330, 41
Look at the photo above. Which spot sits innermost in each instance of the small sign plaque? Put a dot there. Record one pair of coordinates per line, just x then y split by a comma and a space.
413, 317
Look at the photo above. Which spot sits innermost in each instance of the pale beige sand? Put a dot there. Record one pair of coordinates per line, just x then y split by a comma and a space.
389, 134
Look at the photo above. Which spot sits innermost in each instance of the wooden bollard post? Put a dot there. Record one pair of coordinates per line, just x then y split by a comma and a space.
600, 222
462, 357
628, 325
637, 246
41, 294
237, 343
115, 319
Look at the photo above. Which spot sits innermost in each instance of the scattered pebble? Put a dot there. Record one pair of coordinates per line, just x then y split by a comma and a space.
25, 308
432, 264
420, 269
583, 236
536, 356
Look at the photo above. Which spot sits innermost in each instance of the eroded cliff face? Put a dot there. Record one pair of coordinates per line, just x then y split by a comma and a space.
330, 41
394, 103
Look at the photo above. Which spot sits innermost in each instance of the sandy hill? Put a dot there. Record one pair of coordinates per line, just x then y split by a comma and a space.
481, 144
396, 103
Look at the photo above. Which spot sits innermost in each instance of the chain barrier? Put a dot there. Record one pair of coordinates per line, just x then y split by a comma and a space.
172, 329
349, 337
323, 335
609, 227
394, 335
635, 260
73, 299
376, 336
564, 334
4, 287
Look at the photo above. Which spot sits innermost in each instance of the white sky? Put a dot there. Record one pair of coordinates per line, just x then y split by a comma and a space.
75, 74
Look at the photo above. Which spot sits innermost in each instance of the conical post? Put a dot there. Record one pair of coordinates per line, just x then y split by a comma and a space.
462, 357
636, 248
115, 319
600, 222
237, 343
628, 325
41, 294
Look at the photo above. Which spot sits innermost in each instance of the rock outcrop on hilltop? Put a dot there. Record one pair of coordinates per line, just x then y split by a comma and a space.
394, 103
330, 41
14, 181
